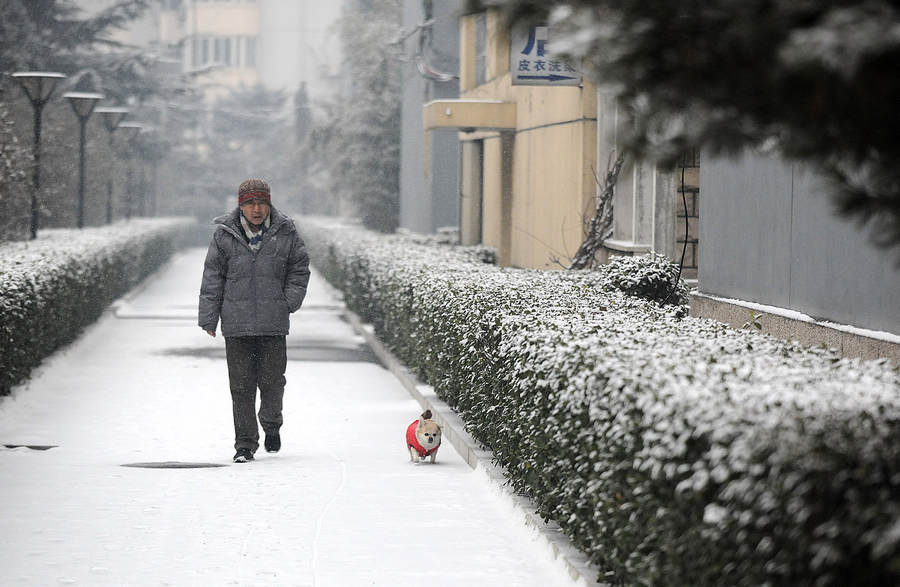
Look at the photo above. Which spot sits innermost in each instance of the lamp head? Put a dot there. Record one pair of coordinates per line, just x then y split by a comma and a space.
38, 85
130, 129
83, 103
112, 116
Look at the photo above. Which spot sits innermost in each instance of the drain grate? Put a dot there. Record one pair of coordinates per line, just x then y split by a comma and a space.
174, 465
32, 446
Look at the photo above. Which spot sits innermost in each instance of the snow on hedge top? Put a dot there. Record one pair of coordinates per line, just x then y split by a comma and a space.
54, 248
579, 318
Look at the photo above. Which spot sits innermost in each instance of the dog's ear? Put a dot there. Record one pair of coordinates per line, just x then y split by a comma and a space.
426, 415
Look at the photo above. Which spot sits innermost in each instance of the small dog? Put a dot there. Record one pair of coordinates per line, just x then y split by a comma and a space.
423, 437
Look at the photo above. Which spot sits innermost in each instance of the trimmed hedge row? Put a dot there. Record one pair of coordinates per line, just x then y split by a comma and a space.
671, 450
54, 286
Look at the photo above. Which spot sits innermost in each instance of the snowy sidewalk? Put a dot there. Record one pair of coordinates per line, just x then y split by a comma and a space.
340, 505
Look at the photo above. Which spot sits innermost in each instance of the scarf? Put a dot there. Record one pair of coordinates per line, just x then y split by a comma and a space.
255, 238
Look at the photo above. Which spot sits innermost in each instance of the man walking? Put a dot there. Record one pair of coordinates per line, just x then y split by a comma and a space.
255, 275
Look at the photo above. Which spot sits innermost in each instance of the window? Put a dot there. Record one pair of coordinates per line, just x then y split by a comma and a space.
223, 51
480, 48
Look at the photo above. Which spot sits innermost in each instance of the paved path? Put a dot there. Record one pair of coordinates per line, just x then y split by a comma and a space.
340, 505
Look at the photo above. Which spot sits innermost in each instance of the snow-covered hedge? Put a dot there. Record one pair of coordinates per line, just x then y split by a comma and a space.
52, 287
672, 450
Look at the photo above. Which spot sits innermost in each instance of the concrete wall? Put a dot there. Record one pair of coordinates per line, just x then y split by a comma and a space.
769, 236
429, 189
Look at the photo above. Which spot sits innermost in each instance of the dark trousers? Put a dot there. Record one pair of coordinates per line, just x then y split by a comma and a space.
255, 361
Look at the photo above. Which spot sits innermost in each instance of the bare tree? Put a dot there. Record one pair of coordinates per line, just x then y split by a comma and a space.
600, 225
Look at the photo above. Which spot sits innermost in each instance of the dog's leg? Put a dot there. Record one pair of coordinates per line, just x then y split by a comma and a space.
413, 454
434, 455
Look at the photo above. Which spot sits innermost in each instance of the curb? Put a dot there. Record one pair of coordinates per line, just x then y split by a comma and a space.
477, 457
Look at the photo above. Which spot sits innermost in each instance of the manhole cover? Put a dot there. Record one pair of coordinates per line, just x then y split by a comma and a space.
31, 446
174, 465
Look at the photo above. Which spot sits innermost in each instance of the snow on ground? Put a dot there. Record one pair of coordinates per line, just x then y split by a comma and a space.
340, 505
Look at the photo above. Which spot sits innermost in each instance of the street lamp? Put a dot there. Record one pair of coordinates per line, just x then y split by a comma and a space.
131, 130
83, 104
112, 117
38, 87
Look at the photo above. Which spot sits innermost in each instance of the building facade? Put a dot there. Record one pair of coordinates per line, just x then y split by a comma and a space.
532, 161
536, 140
218, 36
227, 43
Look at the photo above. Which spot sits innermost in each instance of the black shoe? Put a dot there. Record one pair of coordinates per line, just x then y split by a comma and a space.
273, 442
243, 455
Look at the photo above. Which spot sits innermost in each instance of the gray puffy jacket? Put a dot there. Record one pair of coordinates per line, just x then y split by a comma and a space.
253, 292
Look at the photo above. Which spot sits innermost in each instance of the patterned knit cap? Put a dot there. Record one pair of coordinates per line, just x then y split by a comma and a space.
253, 189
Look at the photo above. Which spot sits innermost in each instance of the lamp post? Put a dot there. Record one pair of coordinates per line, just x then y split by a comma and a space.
83, 104
112, 117
131, 131
38, 87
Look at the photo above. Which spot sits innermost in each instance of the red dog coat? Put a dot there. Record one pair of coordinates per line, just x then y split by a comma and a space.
412, 441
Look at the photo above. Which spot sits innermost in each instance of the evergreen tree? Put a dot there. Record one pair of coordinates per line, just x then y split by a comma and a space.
359, 142
53, 35
251, 137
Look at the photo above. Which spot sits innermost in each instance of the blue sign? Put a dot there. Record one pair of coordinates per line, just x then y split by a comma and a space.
530, 63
